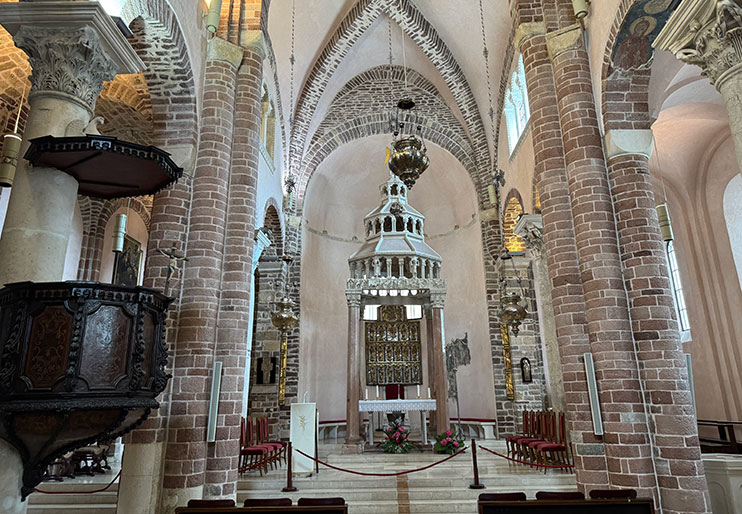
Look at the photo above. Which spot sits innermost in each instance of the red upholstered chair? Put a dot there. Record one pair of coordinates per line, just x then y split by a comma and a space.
251, 454
267, 502
263, 437
309, 502
502, 497
560, 495
612, 494
210, 503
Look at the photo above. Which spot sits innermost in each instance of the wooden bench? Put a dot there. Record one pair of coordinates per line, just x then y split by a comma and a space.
727, 441
618, 506
319, 509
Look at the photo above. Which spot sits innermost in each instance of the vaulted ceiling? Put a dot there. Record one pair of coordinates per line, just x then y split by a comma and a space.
339, 40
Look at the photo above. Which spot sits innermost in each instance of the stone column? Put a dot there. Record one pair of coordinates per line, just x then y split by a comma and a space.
708, 34
234, 306
626, 438
261, 243
69, 67
567, 294
186, 448
651, 301
436, 340
529, 228
353, 442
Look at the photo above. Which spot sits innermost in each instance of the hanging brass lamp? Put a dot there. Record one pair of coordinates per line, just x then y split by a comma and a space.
513, 313
284, 320
663, 215
408, 159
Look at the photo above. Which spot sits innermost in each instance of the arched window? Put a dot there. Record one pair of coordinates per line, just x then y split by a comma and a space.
677, 288
733, 218
516, 107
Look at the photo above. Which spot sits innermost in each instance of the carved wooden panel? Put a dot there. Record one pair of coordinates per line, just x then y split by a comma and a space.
393, 350
48, 347
105, 347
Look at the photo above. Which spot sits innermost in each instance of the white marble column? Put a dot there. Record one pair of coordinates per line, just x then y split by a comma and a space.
42, 201
708, 34
73, 47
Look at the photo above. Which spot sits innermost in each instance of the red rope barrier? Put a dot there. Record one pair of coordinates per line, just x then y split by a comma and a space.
384, 474
527, 463
82, 492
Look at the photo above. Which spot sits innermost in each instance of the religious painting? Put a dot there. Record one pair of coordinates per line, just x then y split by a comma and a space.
127, 262
393, 350
645, 19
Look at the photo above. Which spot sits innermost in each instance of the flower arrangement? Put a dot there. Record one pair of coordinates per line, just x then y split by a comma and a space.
448, 442
397, 439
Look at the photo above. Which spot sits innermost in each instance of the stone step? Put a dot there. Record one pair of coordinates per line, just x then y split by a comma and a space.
106, 497
65, 508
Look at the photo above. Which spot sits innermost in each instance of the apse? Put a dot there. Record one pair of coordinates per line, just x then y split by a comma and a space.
342, 190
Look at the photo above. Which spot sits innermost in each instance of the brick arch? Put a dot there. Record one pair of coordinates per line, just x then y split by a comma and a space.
512, 208
624, 87
359, 110
272, 221
96, 214
415, 26
159, 42
126, 106
14, 73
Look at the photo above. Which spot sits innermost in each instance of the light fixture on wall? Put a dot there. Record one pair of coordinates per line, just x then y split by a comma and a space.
580, 8
213, 16
119, 230
663, 215
11, 147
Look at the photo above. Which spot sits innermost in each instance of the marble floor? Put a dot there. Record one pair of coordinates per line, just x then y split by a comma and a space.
441, 489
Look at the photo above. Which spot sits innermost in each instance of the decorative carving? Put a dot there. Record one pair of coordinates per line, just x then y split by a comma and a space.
80, 333
48, 347
707, 34
437, 299
66, 60
353, 298
529, 228
395, 283
393, 351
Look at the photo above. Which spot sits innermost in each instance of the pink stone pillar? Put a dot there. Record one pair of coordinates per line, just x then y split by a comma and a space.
436, 338
352, 416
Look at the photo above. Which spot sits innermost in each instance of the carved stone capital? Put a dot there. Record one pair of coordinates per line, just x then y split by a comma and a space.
706, 33
437, 299
529, 228
353, 298
568, 38
69, 62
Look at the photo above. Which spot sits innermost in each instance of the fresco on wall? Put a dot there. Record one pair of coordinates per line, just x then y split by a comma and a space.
645, 19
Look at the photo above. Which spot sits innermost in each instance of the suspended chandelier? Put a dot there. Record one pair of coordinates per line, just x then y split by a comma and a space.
407, 158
